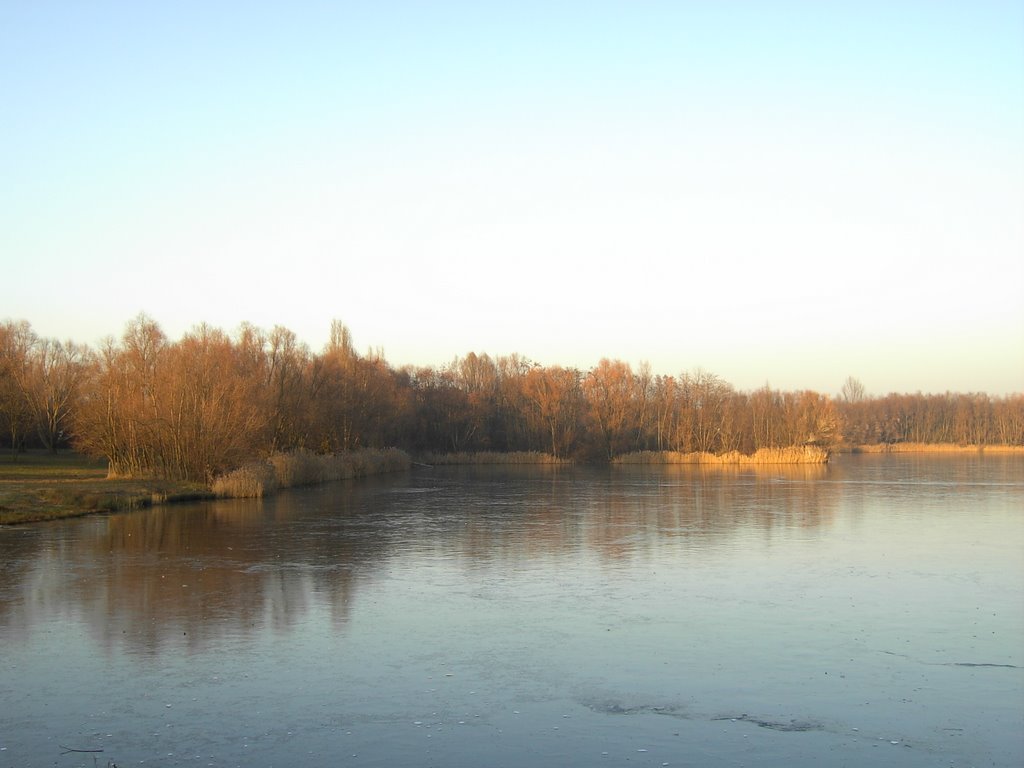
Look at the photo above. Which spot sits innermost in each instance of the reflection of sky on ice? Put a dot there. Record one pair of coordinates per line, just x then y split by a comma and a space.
510, 616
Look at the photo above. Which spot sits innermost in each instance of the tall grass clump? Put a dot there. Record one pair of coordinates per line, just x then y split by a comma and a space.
492, 457
288, 470
797, 454
253, 481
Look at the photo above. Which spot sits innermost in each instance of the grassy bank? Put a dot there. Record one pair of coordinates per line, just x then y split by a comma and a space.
932, 448
803, 454
39, 486
491, 457
288, 470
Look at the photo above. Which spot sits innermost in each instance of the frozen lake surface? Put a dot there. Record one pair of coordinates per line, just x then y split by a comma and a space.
870, 612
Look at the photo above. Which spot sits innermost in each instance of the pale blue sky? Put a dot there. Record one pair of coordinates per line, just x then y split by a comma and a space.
781, 192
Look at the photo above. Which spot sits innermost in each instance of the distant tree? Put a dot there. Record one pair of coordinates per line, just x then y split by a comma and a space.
665, 413
52, 380
766, 418
853, 390
356, 400
734, 417
478, 378
814, 419
289, 383
1008, 415
336, 403
513, 429
610, 391
705, 396
643, 395
17, 340
444, 415
557, 405
210, 417
119, 413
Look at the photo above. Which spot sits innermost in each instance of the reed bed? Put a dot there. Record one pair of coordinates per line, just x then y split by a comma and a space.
797, 454
492, 457
287, 470
935, 448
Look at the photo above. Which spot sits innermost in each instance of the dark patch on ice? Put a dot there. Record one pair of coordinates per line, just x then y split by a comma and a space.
952, 663
618, 708
613, 707
791, 726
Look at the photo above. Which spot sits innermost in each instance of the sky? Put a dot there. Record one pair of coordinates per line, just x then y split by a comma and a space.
782, 193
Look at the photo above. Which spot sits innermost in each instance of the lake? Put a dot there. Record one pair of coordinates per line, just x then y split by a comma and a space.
867, 612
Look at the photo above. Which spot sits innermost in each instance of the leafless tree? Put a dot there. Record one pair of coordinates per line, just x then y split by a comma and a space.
852, 391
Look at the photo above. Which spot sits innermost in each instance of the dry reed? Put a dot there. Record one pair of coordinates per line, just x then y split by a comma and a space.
797, 454
287, 470
249, 482
935, 448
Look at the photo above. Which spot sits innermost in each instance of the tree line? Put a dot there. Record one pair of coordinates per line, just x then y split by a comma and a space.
198, 406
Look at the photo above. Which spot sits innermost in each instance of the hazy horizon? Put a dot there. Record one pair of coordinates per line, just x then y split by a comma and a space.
778, 193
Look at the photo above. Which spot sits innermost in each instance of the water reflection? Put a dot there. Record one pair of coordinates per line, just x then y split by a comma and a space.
652, 606
182, 577
172, 578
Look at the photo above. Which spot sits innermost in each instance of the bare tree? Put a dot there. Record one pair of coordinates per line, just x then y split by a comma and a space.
289, 383
853, 390
610, 391
53, 376
706, 395
16, 342
766, 418
556, 398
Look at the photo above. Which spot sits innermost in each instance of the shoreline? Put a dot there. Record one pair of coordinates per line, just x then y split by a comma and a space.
40, 487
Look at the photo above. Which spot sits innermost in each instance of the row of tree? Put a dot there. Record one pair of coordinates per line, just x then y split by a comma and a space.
205, 403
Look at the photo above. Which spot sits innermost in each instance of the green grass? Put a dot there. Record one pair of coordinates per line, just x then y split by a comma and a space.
38, 486
64, 465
